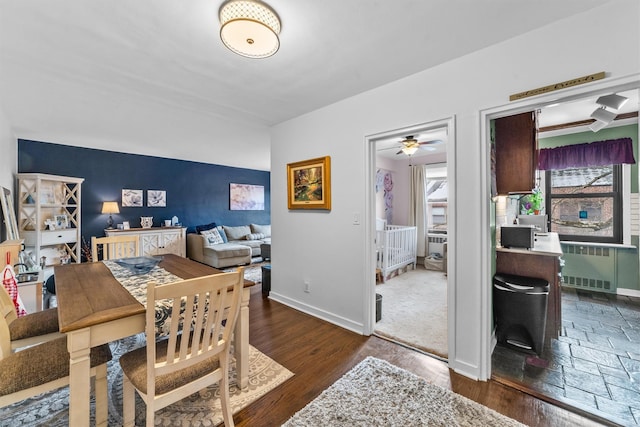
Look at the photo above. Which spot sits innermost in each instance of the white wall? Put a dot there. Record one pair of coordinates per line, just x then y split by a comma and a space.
8, 154
329, 251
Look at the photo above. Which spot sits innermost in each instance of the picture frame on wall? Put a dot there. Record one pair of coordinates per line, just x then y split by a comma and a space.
309, 184
156, 198
131, 198
246, 197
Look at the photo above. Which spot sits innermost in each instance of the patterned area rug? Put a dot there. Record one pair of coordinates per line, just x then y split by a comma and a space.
377, 393
200, 409
253, 271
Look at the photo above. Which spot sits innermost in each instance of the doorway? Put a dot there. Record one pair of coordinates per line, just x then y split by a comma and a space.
571, 372
411, 190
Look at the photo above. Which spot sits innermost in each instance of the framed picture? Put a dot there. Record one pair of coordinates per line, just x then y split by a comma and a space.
125, 225
131, 198
61, 221
245, 197
156, 198
309, 184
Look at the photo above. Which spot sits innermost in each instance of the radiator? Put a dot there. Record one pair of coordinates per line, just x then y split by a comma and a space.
589, 267
435, 243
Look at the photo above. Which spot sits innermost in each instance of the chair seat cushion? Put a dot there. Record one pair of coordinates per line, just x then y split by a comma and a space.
41, 364
34, 324
134, 366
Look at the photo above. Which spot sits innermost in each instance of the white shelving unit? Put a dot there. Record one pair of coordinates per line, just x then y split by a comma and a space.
46, 198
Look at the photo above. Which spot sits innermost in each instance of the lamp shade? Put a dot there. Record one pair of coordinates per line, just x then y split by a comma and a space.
110, 208
249, 28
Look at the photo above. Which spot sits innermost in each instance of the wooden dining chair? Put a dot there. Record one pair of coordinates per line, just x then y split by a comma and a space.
44, 367
114, 247
196, 352
31, 328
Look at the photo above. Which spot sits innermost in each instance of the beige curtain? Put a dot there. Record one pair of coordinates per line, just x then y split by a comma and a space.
418, 206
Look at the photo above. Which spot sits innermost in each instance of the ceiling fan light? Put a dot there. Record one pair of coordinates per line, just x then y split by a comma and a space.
614, 101
409, 149
249, 28
603, 115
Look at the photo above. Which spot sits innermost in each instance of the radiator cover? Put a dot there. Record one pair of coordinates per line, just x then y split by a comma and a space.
590, 267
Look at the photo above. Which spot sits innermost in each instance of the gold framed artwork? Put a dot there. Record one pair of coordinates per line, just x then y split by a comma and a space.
309, 184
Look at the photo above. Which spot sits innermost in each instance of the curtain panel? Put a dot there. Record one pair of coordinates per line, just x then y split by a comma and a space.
599, 153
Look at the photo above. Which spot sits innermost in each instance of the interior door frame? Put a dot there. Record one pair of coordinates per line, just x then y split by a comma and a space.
594, 89
447, 123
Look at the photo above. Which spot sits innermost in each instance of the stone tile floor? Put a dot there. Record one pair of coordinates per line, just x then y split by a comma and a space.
594, 365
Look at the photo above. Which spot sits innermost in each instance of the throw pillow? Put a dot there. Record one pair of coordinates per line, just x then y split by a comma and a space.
212, 236
255, 236
222, 233
236, 233
205, 227
264, 229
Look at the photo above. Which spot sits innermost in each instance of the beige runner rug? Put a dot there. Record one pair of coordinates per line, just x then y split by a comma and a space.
376, 393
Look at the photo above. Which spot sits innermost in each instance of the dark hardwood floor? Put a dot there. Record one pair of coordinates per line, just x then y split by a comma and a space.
318, 353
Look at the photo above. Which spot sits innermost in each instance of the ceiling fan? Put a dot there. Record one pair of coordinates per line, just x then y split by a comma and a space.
410, 145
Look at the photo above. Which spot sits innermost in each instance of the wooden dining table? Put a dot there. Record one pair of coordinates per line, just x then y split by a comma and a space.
94, 308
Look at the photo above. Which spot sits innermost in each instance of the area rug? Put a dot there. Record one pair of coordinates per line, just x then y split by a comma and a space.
377, 393
200, 409
252, 271
414, 310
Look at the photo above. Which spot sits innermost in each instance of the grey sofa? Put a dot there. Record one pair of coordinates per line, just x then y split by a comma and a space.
240, 244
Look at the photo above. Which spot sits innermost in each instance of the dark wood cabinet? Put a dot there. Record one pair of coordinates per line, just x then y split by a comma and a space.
516, 153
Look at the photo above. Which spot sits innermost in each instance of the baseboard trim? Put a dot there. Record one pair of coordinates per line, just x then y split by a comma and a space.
319, 313
628, 292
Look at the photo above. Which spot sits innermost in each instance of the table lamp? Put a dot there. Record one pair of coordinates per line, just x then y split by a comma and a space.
110, 208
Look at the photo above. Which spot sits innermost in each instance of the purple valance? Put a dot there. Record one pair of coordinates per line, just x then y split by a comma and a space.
599, 153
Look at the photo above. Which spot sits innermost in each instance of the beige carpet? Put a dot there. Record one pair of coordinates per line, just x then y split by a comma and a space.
200, 409
414, 310
376, 393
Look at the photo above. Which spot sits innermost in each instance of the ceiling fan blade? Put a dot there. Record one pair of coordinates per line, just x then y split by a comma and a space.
399, 152
435, 141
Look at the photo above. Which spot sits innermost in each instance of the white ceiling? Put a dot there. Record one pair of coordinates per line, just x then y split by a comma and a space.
152, 76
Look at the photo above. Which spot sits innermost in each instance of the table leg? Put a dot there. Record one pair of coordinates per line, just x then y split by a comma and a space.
242, 340
79, 347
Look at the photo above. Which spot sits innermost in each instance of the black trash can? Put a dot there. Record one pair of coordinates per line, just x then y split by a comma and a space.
520, 311
378, 307
266, 279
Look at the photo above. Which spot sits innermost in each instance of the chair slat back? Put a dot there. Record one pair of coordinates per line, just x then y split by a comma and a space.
203, 315
114, 247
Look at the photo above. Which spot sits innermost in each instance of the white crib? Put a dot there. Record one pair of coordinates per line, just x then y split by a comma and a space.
396, 247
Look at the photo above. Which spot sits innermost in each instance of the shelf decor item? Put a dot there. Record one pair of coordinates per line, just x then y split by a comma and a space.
309, 184
146, 221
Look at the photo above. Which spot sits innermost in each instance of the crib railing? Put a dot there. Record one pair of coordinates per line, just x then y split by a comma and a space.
396, 246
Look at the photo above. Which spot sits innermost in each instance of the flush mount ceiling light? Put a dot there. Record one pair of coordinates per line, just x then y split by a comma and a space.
249, 28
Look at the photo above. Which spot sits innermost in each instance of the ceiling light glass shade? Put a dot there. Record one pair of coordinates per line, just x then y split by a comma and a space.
410, 149
249, 28
614, 101
603, 115
597, 125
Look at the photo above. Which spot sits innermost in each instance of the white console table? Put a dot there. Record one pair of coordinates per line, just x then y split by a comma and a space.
157, 240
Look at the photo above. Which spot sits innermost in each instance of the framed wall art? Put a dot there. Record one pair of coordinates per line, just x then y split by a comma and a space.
131, 198
246, 197
156, 198
309, 184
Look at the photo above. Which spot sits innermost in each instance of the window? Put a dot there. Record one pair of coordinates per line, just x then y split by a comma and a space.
585, 204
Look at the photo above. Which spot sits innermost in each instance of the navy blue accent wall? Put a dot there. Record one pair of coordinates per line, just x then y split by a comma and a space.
197, 193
